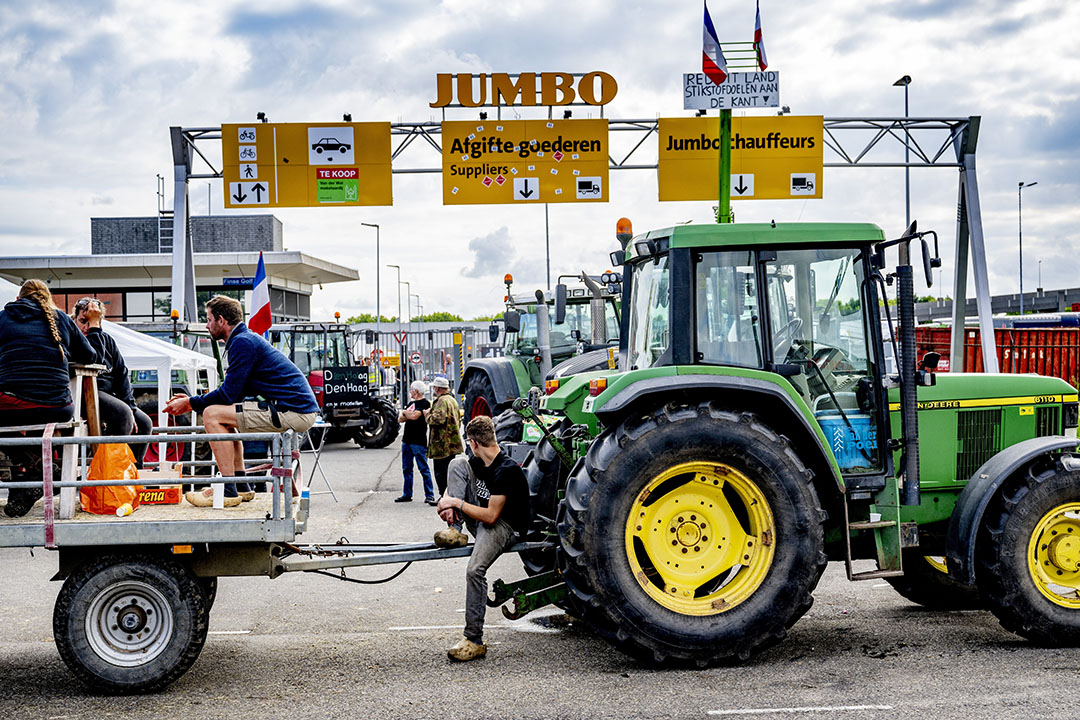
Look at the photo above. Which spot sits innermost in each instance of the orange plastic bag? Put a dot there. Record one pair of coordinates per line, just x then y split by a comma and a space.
111, 462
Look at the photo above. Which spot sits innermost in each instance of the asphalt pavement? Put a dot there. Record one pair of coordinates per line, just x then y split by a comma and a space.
314, 647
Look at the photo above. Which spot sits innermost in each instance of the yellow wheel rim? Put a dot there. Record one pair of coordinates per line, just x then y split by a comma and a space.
700, 538
937, 562
1054, 555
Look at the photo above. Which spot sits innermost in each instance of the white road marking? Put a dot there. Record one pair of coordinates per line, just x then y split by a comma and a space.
809, 709
228, 632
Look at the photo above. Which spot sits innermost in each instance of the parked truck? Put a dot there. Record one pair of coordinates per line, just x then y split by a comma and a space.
752, 434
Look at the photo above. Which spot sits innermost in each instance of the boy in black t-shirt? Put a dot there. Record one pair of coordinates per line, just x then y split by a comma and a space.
414, 443
490, 494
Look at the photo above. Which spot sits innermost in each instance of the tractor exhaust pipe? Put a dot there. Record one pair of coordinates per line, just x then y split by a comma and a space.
909, 418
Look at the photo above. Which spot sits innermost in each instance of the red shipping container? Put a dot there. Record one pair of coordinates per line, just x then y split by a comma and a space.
1054, 352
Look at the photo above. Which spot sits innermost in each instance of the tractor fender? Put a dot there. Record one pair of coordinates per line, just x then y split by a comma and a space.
973, 499
662, 389
500, 373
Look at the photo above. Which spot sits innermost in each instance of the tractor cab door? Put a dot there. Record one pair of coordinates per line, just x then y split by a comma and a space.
823, 318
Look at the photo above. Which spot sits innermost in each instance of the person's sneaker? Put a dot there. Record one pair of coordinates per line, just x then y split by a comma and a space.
451, 537
404, 498
466, 650
431, 501
20, 500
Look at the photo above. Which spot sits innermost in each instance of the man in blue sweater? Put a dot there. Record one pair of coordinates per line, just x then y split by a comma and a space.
256, 369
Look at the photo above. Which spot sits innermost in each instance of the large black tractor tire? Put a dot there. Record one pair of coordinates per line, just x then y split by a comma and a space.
546, 474
1028, 554
129, 624
480, 398
926, 582
384, 431
691, 534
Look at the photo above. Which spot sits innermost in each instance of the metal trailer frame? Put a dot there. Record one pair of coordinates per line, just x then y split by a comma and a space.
845, 137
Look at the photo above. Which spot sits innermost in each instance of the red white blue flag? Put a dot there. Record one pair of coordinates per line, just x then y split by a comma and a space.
759, 43
260, 321
712, 57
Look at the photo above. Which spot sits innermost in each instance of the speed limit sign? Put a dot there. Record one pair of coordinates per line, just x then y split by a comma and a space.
416, 358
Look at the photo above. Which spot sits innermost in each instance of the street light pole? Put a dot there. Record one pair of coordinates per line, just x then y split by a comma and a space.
208, 212
1020, 233
904, 82
378, 273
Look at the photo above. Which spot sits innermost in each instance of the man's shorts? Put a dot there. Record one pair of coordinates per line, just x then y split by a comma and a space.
252, 418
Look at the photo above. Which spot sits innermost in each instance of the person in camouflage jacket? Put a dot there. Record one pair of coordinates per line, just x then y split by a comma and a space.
444, 430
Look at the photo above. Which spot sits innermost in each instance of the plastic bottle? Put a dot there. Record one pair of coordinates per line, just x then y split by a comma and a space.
124, 509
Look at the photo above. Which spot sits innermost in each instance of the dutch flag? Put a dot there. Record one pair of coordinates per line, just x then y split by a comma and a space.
759, 43
260, 321
712, 57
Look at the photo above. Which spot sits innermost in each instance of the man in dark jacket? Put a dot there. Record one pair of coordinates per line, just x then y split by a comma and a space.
36, 343
116, 400
256, 369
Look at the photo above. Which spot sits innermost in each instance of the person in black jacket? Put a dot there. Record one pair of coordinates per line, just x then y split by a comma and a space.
36, 343
116, 400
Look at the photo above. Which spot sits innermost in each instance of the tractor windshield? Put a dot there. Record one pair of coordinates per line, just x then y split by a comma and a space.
318, 349
816, 308
650, 320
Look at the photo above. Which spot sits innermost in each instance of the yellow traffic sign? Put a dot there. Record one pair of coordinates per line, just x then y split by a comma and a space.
306, 165
524, 161
772, 158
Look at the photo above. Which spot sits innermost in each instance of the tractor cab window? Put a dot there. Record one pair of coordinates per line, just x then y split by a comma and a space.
579, 317
728, 322
337, 350
650, 318
523, 341
816, 312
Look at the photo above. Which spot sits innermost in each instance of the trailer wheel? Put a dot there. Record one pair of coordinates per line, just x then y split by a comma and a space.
209, 586
545, 473
479, 397
926, 582
385, 429
1028, 561
130, 624
692, 534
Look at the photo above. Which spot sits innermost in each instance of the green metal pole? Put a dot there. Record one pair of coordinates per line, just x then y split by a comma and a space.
724, 214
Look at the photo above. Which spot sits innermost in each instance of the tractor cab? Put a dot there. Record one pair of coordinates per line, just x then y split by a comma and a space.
796, 301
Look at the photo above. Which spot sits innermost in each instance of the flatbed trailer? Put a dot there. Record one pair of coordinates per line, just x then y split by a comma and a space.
133, 613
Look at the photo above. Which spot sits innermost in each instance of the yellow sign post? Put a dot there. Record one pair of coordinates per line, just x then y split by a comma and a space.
524, 161
772, 158
306, 165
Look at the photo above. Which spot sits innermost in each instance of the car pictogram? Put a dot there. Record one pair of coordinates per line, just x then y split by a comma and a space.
330, 144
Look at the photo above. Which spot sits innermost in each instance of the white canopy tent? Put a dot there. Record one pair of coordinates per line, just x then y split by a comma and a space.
144, 352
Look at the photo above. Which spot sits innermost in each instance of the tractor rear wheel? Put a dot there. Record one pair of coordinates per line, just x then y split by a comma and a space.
926, 582
545, 473
384, 429
1028, 560
692, 534
479, 397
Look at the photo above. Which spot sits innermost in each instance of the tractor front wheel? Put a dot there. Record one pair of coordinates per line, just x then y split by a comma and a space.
692, 534
384, 428
479, 397
1028, 560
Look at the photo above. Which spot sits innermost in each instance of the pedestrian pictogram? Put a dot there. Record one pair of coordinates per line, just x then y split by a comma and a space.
249, 171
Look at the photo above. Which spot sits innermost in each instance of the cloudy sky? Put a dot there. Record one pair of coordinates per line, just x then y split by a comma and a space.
88, 92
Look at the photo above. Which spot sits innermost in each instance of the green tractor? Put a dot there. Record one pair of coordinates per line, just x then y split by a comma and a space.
572, 331
693, 499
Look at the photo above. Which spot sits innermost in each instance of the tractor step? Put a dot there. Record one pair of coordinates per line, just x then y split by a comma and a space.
871, 524
888, 538
873, 574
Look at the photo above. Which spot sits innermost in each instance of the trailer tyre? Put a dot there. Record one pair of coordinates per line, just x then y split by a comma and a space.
1028, 557
479, 397
385, 428
692, 534
130, 624
926, 582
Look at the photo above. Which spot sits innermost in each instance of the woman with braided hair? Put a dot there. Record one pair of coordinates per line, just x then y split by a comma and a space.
36, 343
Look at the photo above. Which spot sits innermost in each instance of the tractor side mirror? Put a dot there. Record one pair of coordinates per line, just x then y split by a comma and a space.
575, 334
369, 337
493, 332
512, 320
560, 304
930, 361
